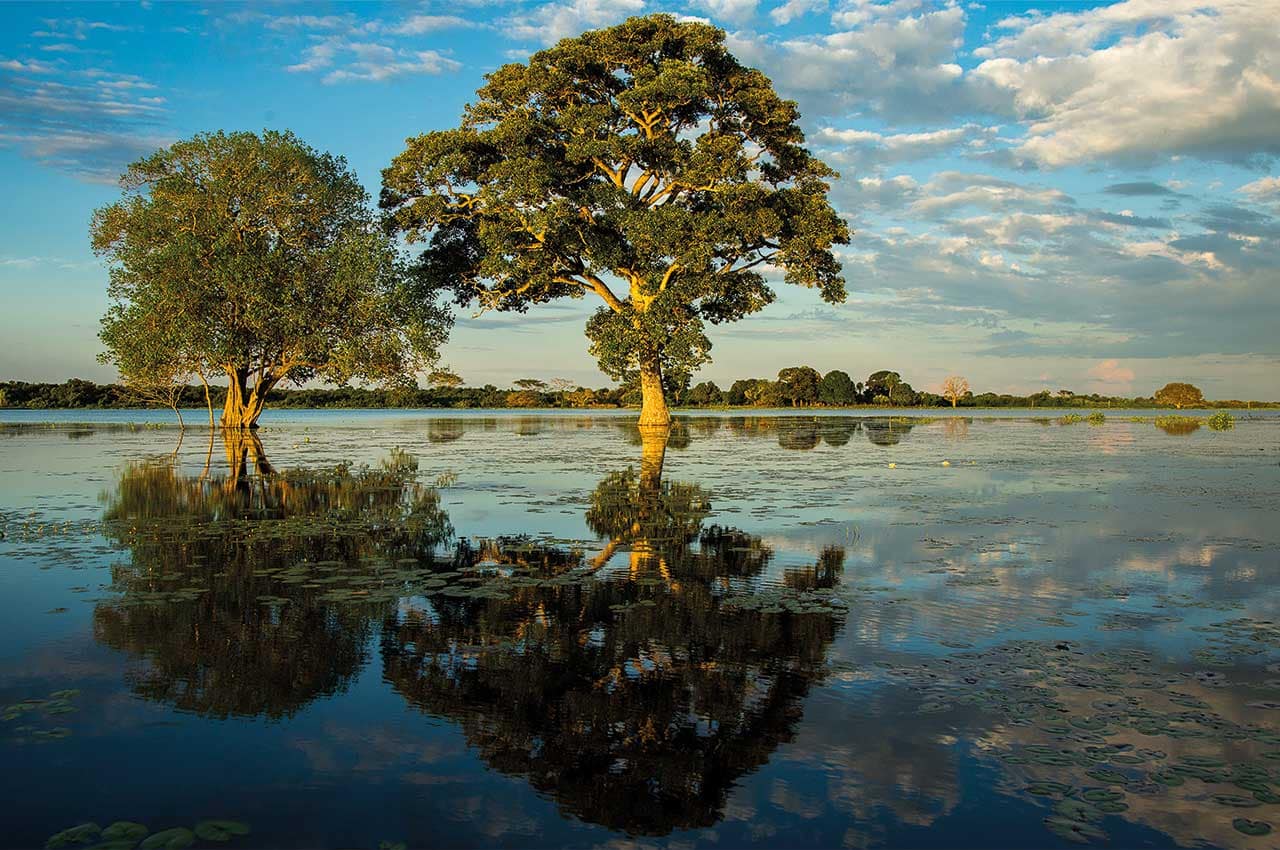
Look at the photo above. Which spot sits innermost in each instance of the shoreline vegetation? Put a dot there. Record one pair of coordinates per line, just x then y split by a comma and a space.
530, 395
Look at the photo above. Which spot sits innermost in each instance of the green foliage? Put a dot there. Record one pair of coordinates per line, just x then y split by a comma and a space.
79, 393
705, 394
256, 256
837, 389
1179, 395
643, 156
766, 394
882, 383
902, 395
1178, 425
1222, 421
444, 377
799, 384
1071, 419
1097, 417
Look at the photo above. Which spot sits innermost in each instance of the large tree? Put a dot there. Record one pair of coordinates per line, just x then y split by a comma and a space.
258, 258
640, 163
1179, 395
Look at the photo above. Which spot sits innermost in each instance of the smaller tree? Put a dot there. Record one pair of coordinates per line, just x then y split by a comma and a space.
837, 389
902, 395
705, 394
562, 385
523, 398
531, 384
766, 394
582, 397
737, 393
882, 383
445, 378
799, 384
1179, 395
259, 259
955, 388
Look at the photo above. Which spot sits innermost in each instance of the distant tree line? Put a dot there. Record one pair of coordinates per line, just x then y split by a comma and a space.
795, 387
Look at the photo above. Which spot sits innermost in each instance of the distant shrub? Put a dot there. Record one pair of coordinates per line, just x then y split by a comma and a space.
1097, 417
1222, 421
1178, 425
1071, 419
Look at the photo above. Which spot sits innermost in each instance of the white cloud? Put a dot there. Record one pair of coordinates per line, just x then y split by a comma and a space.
794, 9
76, 28
30, 66
308, 22
952, 190
1263, 188
554, 21
369, 61
1110, 373
420, 24
892, 66
864, 148
89, 122
735, 11
1140, 79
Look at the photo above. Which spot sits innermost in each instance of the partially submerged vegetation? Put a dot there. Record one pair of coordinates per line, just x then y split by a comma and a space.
1222, 421
1178, 425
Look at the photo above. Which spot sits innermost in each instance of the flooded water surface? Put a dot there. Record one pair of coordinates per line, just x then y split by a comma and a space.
420, 631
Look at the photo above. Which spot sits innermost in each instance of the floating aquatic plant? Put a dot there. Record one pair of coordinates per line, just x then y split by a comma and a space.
1222, 421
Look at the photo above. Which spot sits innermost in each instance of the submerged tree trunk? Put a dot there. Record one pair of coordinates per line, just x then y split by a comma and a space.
244, 406
653, 406
653, 452
244, 452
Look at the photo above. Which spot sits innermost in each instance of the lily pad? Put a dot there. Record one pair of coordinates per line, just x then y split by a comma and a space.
82, 834
1235, 800
169, 839
1251, 827
125, 830
220, 830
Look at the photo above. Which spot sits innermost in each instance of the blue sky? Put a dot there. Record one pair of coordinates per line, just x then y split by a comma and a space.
1053, 196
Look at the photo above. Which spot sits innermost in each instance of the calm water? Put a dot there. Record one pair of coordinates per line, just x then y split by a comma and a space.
546, 631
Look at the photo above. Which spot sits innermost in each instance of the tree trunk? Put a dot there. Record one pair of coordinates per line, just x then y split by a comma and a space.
954, 400
208, 402
653, 407
645, 556
244, 450
243, 407
653, 452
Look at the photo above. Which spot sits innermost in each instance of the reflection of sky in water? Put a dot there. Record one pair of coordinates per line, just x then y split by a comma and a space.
1100, 539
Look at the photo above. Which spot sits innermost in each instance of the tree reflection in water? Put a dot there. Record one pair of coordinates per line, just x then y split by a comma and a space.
213, 597
628, 684
636, 700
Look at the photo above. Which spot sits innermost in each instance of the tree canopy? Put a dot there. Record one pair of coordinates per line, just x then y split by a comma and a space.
836, 388
954, 388
641, 163
799, 384
1179, 395
258, 258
